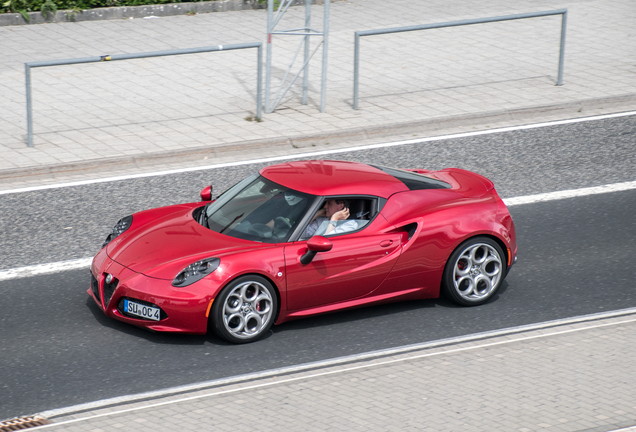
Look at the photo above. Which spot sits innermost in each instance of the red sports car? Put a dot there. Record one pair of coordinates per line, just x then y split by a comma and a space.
303, 238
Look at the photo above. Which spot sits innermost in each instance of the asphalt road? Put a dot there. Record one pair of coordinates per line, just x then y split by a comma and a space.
57, 349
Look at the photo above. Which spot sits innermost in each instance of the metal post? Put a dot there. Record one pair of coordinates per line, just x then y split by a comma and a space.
27, 70
268, 61
564, 20
325, 51
307, 39
259, 83
356, 69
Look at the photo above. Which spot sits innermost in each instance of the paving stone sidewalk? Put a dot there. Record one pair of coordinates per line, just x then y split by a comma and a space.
570, 377
104, 118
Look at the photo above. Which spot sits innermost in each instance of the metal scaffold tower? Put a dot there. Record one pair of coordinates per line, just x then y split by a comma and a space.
306, 32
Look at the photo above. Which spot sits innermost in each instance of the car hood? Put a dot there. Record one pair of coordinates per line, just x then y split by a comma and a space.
162, 242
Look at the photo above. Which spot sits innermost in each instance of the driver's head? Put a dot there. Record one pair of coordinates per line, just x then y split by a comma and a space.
334, 205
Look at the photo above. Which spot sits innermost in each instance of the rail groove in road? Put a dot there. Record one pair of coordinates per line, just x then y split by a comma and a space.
49, 268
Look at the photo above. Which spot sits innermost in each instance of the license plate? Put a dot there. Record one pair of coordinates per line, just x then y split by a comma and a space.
143, 311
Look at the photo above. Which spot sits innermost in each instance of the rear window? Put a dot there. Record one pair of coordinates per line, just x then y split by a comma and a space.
414, 181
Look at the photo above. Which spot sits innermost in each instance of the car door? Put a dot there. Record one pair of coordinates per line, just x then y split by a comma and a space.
354, 267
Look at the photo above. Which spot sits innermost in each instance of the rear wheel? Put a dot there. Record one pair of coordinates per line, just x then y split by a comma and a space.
474, 272
245, 309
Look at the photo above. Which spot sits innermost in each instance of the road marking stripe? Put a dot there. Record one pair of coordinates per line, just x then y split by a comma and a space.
572, 193
42, 269
320, 153
49, 268
378, 355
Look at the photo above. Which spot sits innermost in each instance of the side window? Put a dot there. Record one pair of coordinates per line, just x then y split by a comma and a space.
362, 209
360, 212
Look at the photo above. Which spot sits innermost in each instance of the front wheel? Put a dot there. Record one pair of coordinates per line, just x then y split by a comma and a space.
474, 272
244, 310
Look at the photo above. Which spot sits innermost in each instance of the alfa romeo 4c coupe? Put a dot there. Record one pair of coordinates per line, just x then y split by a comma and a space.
305, 238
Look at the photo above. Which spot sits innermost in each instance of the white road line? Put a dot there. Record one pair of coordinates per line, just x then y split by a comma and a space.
321, 153
42, 269
49, 268
572, 193
377, 355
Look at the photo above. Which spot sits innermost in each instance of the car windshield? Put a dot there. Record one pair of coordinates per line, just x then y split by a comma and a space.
258, 209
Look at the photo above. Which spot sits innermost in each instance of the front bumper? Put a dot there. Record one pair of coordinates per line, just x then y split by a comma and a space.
183, 310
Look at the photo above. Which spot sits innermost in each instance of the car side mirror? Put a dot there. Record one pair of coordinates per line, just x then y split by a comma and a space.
206, 193
314, 245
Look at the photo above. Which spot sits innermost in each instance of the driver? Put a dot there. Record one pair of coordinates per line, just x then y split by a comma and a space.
336, 212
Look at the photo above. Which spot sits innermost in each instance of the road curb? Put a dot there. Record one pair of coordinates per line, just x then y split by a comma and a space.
523, 115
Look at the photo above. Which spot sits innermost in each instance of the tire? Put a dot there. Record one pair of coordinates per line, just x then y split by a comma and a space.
245, 309
474, 272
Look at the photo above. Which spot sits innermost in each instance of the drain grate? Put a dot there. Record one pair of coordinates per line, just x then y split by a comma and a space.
20, 423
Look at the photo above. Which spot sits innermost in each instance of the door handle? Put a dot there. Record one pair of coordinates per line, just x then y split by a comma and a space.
386, 243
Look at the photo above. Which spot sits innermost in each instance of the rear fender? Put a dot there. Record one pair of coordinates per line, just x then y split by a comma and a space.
467, 183
439, 231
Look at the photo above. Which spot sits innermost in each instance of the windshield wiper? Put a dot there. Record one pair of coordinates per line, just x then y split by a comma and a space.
228, 225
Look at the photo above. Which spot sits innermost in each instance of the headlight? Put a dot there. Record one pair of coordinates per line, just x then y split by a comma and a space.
195, 272
122, 225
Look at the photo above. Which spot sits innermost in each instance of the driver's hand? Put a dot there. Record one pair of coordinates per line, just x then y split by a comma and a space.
340, 215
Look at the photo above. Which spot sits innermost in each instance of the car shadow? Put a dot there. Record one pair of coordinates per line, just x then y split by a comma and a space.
378, 311
357, 314
363, 313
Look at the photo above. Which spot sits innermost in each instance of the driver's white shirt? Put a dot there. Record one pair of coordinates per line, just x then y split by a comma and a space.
319, 225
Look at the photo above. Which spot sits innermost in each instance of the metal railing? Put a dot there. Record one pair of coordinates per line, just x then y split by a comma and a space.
29, 65
358, 34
